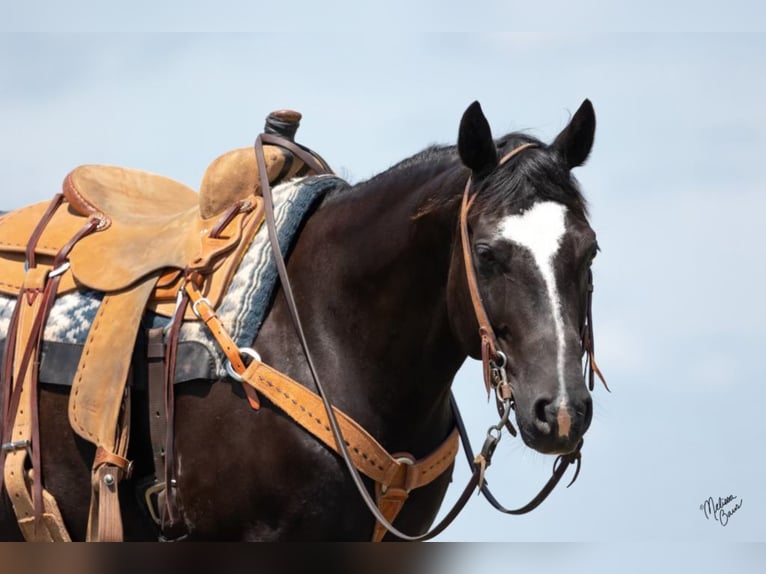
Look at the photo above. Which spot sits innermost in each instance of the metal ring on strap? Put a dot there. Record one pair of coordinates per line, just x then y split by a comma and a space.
502, 362
247, 351
204, 300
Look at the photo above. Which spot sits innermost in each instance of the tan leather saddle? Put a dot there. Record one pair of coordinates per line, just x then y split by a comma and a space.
136, 237
148, 224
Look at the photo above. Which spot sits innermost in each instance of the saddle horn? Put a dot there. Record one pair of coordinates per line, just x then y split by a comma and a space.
283, 123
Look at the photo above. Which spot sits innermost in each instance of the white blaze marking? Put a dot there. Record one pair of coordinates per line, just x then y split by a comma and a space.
540, 230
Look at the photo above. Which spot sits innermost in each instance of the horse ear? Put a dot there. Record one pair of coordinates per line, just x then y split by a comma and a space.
575, 141
474, 143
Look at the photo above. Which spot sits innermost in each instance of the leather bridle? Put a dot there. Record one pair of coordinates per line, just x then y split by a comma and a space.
493, 361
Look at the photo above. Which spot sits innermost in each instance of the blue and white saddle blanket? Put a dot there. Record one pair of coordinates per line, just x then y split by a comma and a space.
242, 309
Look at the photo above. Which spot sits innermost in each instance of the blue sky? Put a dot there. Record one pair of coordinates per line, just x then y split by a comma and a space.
675, 183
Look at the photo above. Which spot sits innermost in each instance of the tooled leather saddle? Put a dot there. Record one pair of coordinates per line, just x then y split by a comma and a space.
137, 238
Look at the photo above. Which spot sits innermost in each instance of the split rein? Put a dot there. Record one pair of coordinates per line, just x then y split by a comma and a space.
493, 360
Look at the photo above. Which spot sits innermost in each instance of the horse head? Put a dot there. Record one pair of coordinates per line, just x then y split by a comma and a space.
530, 245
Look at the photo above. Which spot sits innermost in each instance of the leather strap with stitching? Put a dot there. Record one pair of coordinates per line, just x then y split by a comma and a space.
394, 475
306, 408
105, 518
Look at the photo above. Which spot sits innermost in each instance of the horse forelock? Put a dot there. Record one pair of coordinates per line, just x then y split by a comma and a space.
536, 174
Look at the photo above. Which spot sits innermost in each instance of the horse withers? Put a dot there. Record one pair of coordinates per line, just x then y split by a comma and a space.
478, 250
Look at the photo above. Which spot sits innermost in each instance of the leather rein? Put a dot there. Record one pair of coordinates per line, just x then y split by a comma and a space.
493, 361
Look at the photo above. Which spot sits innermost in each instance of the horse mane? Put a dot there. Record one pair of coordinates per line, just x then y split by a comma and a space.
420, 167
538, 173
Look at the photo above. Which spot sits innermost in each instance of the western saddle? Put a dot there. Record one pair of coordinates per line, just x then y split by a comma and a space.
137, 237
147, 242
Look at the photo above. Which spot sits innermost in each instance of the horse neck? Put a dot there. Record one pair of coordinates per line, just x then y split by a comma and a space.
383, 253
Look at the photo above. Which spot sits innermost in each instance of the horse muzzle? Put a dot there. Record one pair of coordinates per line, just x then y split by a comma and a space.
552, 425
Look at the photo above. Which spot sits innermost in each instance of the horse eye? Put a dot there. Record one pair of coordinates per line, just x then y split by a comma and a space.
484, 252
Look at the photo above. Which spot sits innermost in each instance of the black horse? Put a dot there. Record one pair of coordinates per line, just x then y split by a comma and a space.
379, 277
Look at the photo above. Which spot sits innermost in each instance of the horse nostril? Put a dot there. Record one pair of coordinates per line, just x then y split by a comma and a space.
541, 416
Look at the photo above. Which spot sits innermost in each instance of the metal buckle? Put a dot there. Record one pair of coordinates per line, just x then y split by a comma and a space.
402, 460
197, 302
13, 446
247, 351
